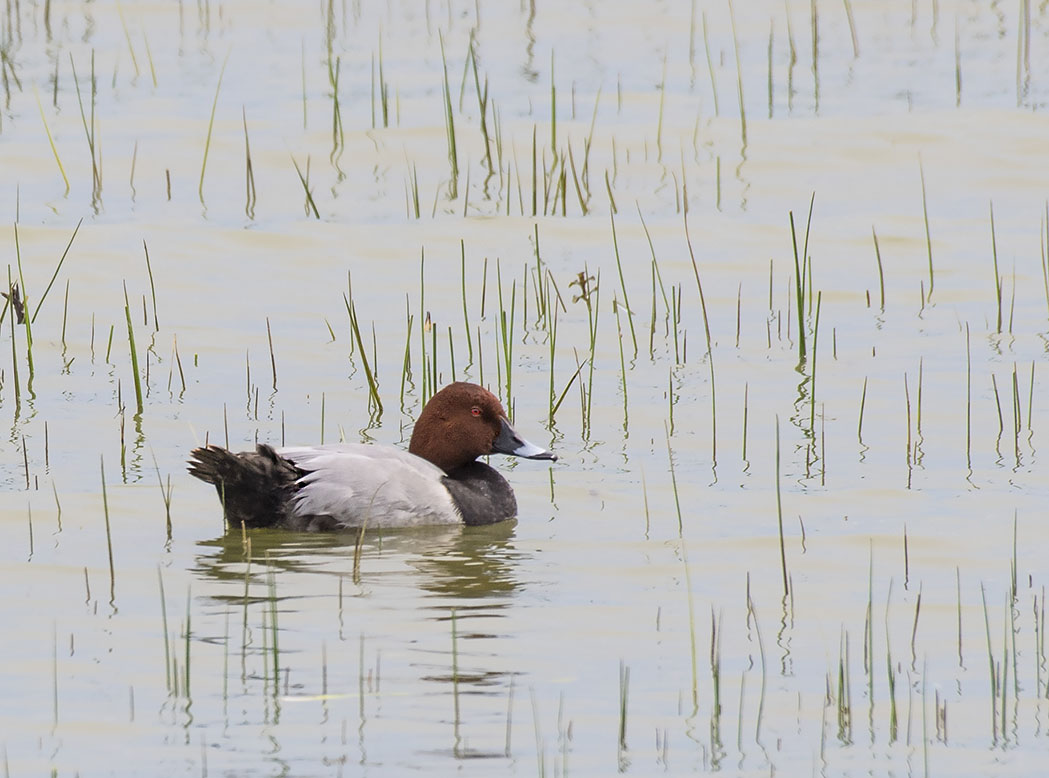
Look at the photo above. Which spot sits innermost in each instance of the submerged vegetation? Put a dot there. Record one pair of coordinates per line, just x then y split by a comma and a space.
727, 568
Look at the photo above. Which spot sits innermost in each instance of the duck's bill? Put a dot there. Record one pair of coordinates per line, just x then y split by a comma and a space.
510, 443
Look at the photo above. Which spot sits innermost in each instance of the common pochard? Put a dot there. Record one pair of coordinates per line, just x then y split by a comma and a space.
437, 481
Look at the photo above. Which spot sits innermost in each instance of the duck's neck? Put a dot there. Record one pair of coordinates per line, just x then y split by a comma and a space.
431, 441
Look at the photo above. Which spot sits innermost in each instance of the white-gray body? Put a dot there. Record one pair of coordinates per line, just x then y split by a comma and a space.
359, 484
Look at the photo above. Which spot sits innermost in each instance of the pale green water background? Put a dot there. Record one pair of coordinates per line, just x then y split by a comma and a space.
634, 619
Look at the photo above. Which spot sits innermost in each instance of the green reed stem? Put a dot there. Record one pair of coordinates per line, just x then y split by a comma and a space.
710, 64
25, 320
739, 76
449, 127
997, 276
710, 345
779, 515
968, 398
271, 585
211, 125
373, 387
109, 535
168, 676
51, 142
152, 288
673, 482
622, 360
799, 291
881, 270
424, 323
746, 413
304, 180
250, 195
928, 235
624, 691
466, 314
134, 354
622, 285
57, 269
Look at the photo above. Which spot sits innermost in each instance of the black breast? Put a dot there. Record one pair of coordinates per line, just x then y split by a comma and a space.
481, 494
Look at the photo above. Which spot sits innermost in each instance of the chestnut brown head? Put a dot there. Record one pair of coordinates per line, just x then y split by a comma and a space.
464, 421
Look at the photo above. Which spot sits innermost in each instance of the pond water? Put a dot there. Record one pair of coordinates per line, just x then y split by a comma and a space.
774, 542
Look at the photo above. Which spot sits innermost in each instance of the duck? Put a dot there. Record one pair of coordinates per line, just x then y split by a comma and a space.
438, 480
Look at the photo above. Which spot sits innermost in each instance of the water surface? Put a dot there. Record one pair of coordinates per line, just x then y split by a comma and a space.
646, 613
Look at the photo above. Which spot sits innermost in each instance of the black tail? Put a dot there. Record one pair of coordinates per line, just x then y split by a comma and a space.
254, 486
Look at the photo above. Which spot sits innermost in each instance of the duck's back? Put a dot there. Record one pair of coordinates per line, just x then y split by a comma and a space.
347, 485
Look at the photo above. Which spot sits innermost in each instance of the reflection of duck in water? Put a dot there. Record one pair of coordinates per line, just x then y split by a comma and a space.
437, 481
419, 574
457, 561
480, 563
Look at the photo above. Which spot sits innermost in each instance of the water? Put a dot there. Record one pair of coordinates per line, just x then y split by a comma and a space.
634, 618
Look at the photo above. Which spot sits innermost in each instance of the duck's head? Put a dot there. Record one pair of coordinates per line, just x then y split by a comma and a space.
464, 421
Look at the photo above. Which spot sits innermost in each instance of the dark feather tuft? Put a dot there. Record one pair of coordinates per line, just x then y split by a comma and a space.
254, 486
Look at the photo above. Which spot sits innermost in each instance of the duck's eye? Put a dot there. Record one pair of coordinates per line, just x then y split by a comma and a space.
475, 411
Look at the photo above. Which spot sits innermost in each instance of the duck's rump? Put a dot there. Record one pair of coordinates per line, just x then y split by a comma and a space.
255, 487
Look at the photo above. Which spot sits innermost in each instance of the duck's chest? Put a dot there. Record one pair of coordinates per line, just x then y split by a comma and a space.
481, 494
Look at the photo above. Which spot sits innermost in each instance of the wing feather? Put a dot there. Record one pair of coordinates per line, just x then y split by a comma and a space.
376, 485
